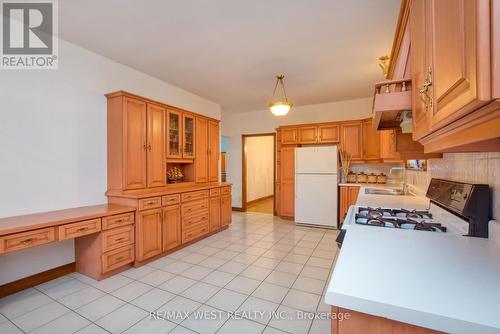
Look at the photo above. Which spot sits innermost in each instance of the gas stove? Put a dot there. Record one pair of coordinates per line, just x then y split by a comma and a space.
398, 218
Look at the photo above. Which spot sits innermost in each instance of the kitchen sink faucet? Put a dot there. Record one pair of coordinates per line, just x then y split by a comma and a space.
405, 178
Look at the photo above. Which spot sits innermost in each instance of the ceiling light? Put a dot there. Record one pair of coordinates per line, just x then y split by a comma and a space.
280, 107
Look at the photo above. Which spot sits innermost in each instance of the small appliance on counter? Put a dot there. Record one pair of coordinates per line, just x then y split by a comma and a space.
456, 207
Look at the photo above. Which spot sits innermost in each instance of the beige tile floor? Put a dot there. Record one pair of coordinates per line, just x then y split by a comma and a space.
260, 264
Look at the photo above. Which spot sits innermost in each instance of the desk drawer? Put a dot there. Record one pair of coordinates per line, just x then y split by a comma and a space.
117, 237
195, 195
149, 203
226, 190
18, 241
171, 199
74, 230
196, 220
117, 258
194, 233
117, 221
214, 192
194, 208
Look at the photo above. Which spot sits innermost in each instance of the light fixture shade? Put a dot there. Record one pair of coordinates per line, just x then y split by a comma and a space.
280, 108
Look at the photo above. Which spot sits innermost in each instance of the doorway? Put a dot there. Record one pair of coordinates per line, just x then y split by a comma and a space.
258, 167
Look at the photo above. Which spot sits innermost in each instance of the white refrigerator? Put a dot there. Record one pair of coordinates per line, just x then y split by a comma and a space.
316, 186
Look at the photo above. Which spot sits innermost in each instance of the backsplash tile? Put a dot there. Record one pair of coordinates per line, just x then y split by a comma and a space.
464, 167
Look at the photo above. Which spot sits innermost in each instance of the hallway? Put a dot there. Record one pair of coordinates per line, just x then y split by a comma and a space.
265, 205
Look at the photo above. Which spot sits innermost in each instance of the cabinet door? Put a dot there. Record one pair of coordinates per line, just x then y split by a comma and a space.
171, 227
289, 135
343, 203
226, 210
215, 213
287, 194
352, 139
353, 195
134, 150
201, 161
460, 40
388, 145
188, 136
213, 151
156, 164
308, 135
420, 62
329, 133
371, 141
174, 134
148, 234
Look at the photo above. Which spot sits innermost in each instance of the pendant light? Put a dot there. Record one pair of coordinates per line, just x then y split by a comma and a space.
280, 107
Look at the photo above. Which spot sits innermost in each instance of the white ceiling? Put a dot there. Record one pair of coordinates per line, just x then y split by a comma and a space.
229, 51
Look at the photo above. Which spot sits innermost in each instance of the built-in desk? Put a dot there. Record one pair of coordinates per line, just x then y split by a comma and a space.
104, 235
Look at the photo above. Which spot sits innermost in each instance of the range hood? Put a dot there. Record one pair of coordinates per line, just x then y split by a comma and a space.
391, 99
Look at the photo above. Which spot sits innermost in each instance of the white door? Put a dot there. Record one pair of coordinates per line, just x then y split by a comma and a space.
321, 159
316, 199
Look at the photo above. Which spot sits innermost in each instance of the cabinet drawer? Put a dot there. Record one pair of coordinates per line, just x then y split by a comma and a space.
149, 203
194, 208
28, 239
195, 220
117, 258
195, 195
214, 192
117, 237
225, 190
171, 199
117, 221
195, 232
74, 230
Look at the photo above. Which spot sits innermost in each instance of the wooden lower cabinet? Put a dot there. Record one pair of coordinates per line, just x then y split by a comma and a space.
354, 322
215, 213
149, 234
182, 218
226, 210
171, 227
348, 197
287, 197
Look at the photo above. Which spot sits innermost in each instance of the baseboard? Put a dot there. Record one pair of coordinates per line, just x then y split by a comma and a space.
31, 281
238, 209
259, 199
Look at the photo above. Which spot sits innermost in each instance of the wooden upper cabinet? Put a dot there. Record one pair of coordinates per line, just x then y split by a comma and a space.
352, 139
135, 144
388, 145
213, 151
171, 227
188, 136
148, 234
201, 140
288, 136
329, 133
156, 164
308, 134
460, 42
420, 60
371, 139
174, 134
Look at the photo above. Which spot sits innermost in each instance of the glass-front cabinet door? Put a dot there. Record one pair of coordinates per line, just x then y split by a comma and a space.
188, 139
174, 137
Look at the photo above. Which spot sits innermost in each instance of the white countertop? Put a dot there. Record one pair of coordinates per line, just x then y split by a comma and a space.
434, 280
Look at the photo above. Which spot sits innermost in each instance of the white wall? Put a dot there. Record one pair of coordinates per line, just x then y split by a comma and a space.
236, 124
260, 164
53, 140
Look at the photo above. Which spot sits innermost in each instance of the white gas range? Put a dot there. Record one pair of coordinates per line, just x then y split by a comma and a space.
459, 209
